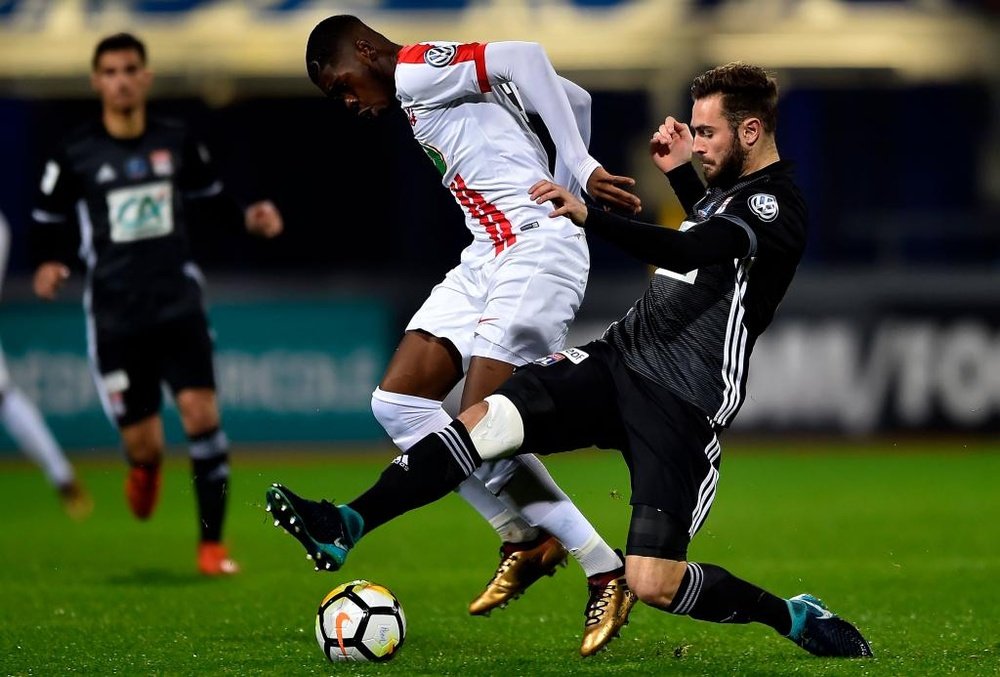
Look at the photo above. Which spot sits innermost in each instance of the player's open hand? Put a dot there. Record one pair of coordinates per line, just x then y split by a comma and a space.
264, 220
49, 279
609, 190
671, 145
565, 203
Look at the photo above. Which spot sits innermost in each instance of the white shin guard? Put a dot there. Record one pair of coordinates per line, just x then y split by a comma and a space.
501, 432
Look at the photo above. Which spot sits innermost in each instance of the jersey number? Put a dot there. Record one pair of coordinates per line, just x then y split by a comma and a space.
687, 277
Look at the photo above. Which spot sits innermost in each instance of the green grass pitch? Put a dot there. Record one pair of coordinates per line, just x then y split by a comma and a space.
902, 540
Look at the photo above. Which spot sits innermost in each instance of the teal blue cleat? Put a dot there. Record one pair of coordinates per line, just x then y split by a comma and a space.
821, 632
326, 531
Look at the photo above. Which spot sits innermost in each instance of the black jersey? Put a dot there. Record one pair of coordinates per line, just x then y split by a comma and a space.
693, 332
126, 196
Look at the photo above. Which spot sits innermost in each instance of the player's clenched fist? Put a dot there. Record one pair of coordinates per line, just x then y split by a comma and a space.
49, 278
671, 145
263, 219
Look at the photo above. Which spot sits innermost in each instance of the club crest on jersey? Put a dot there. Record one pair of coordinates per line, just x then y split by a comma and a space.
764, 206
574, 355
439, 56
162, 162
549, 360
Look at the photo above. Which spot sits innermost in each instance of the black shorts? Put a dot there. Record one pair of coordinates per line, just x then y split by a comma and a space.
131, 369
583, 397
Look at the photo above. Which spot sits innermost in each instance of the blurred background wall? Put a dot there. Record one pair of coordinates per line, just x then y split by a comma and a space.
890, 110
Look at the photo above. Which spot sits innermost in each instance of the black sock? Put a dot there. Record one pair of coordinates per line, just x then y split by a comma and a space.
710, 593
427, 471
210, 471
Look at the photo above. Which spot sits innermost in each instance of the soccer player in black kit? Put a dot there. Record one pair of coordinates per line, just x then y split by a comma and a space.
124, 182
660, 385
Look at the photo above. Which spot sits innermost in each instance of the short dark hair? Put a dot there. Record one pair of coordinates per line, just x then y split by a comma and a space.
326, 40
117, 43
747, 91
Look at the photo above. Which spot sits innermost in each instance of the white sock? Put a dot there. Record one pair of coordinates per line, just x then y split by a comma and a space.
532, 492
596, 557
408, 419
25, 424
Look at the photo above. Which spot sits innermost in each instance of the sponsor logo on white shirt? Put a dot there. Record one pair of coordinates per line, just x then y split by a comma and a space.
440, 56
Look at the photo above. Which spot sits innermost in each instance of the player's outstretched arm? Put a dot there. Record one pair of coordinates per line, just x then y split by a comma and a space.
527, 66
717, 240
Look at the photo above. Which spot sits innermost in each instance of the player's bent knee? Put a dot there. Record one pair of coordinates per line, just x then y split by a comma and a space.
199, 422
656, 585
651, 591
500, 432
199, 411
385, 411
407, 418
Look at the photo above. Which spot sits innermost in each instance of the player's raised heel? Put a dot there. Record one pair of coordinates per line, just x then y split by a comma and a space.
822, 633
326, 531
517, 570
606, 613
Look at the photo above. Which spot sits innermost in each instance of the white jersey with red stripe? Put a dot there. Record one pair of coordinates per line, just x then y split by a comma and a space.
473, 126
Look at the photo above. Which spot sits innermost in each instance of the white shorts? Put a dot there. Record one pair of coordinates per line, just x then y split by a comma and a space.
515, 307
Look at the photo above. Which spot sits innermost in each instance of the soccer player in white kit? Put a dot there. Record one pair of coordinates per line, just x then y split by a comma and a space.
518, 286
24, 423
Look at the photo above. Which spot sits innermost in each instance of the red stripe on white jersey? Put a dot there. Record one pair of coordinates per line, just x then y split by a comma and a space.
470, 51
475, 51
489, 215
413, 53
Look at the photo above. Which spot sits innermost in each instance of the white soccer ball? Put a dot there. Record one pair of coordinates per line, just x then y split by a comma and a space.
360, 621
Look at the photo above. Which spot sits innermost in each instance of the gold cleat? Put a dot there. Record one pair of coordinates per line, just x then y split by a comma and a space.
75, 500
607, 613
516, 572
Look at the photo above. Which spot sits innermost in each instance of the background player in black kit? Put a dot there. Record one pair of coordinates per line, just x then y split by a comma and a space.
660, 385
125, 181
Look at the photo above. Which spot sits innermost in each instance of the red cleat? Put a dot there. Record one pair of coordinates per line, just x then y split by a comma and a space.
214, 560
142, 489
